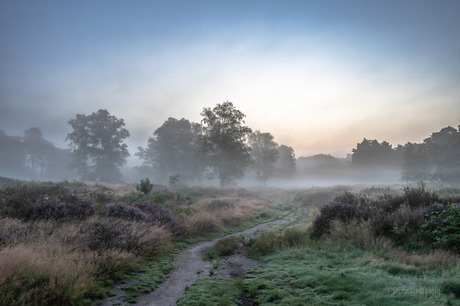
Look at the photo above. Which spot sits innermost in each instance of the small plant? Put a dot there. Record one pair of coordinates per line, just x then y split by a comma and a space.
174, 180
223, 247
145, 186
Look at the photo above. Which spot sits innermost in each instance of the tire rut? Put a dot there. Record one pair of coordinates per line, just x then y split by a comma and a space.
188, 266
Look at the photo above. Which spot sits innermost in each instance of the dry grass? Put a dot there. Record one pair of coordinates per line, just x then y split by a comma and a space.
35, 274
210, 217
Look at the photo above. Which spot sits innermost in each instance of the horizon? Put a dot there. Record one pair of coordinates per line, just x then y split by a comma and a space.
319, 77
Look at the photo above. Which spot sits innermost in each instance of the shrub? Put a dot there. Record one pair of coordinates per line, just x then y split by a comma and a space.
5, 236
442, 228
160, 216
102, 234
63, 207
345, 208
145, 186
219, 204
126, 212
38, 202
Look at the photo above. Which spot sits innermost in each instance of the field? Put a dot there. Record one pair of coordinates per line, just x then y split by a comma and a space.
69, 243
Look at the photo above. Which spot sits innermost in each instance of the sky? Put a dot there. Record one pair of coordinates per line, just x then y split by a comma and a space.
318, 75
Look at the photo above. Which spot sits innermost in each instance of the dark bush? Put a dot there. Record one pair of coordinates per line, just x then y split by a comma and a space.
145, 186
345, 208
126, 212
63, 207
105, 234
159, 215
419, 196
34, 201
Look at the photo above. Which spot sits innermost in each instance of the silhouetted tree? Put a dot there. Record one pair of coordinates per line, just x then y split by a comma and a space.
286, 166
97, 146
173, 150
416, 163
223, 141
372, 153
38, 151
443, 148
264, 152
12, 156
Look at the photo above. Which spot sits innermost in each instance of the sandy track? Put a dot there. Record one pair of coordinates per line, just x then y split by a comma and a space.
188, 266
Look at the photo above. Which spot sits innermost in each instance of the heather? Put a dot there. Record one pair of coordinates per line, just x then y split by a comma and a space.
417, 219
69, 242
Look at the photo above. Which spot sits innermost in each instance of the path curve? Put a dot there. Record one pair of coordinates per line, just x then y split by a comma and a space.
188, 266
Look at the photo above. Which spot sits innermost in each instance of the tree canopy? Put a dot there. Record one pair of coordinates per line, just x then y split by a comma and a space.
264, 152
224, 142
173, 150
98, 148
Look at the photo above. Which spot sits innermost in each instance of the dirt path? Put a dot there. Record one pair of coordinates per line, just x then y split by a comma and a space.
188, 266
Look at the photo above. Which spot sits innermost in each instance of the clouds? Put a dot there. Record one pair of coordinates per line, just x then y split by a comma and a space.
319, 76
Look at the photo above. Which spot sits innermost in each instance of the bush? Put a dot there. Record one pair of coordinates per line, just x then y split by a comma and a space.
442, 228
345, 208
126, 212
39, 202
145, 186
63, 207
160, 216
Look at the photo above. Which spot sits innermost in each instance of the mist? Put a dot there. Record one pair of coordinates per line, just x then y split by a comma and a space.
348, 93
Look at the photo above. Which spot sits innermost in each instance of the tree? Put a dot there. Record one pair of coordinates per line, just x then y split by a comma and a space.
372, 153
97, 146
38, 152
223, 141
264, 152
286, 166
12, 156
443, 149
173, 150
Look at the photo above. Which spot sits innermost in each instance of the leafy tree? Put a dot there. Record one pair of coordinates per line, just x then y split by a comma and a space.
97, 146
38, 151
223, 139
12, 156
416, 163
372, 153
173, 150
264, 152
286, 166
443, 149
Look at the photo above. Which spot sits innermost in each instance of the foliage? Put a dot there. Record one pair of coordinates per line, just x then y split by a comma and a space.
415, 219
286, 166
211, 291
145, 186
224, 142
97, 146
224, 247
173, 149
264, 152
442, 228
36, 202
373, 153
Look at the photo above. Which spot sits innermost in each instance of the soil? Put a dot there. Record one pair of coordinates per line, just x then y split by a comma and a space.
189, 266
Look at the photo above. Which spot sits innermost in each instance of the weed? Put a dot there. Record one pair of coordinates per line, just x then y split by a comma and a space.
223, 247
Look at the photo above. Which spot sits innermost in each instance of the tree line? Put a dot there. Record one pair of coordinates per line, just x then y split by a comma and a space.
221, 146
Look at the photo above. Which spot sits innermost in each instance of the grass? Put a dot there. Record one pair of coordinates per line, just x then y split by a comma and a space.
224, 247
348, 267
211, 291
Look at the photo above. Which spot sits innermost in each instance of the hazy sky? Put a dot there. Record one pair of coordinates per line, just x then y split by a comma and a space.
319, 75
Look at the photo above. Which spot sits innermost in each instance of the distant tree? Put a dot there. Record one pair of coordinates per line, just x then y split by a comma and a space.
372, 153
12, 156
264, 152
173, 150
286, 166
443, 149
38, 151
416, 163
97, 146
224, 142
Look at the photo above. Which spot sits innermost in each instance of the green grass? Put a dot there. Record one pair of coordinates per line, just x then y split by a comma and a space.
330, 274
212, 291
224, 247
